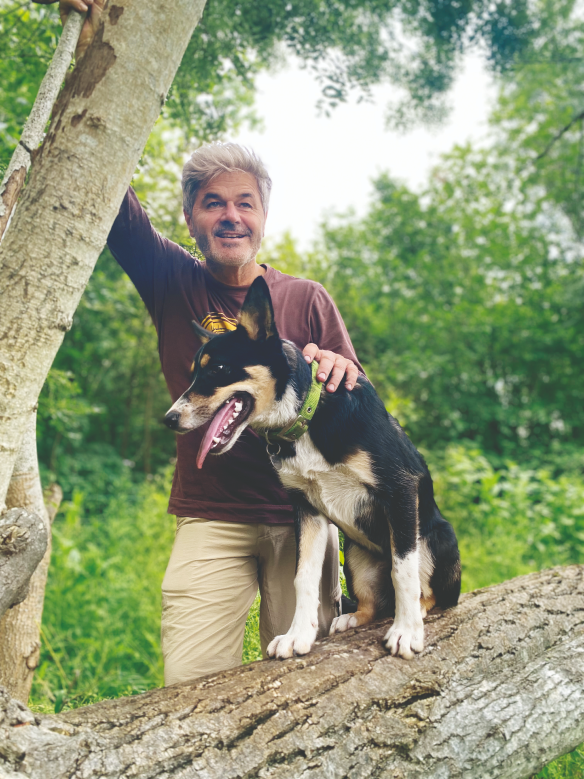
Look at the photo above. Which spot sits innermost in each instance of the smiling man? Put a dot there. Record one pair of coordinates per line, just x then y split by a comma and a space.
235, 528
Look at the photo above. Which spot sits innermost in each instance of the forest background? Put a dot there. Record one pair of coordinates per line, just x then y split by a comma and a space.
464, 302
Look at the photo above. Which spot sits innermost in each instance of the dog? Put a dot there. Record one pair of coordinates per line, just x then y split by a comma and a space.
346, 460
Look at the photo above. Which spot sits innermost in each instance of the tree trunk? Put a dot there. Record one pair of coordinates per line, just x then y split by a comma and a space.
20, 626
99, 127
498, 692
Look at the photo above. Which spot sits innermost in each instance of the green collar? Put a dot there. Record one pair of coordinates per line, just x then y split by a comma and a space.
300, 425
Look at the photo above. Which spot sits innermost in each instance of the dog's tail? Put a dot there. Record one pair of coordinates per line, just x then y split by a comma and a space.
445, 580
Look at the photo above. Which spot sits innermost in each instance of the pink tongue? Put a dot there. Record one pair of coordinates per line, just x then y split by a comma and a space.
216, 426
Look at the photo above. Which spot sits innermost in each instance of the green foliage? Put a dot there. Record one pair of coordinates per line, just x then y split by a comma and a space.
348, 44
101, 622
465, 305
569, 766
28, 37
508, 521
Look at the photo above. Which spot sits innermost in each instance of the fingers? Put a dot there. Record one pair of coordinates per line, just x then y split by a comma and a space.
310, 351
332, 367
65, 7
91, 23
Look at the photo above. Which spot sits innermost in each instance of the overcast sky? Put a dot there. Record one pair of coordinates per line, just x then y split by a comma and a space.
319, 164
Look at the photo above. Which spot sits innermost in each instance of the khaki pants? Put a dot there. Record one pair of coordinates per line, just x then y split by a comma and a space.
212, 578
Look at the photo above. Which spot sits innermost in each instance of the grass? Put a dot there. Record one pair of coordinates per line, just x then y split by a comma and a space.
101, 623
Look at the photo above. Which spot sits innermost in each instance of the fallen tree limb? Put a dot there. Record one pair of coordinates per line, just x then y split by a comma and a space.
498, 692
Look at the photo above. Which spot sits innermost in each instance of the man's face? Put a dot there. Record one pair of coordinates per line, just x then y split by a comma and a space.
228, 220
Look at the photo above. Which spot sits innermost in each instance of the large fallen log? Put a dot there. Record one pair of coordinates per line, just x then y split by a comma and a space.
498, 692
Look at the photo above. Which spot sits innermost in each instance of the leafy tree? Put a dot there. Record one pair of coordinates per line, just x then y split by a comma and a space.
540, 116
348, 44
465, 304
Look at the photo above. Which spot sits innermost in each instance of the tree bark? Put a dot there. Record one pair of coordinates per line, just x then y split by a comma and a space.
20, 626
32, 133
23, 542
99, 127
498, 692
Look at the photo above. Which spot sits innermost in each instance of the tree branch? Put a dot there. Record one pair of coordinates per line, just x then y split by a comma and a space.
32, 133
558, 135
498, 692
23, 542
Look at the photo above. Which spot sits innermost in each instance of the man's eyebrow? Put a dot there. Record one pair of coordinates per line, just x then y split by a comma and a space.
215, 196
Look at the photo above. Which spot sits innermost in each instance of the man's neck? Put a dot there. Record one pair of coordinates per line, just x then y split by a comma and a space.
233, 276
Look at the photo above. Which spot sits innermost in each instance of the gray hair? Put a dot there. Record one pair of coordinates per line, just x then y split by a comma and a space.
210, 161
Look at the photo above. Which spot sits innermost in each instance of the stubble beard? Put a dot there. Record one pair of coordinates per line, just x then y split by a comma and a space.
225, 257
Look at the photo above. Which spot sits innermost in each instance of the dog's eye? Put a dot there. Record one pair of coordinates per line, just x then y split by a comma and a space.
215, 369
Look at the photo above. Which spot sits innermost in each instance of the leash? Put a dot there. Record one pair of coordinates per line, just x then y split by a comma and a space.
293, 432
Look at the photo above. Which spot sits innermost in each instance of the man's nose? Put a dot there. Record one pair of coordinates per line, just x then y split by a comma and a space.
231, 214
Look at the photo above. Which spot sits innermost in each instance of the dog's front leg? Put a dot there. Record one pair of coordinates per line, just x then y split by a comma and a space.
406, 635
311, 538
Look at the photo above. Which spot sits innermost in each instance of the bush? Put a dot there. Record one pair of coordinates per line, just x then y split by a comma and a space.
509, 521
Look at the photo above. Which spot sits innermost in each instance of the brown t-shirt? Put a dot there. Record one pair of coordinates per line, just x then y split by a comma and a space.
241, 485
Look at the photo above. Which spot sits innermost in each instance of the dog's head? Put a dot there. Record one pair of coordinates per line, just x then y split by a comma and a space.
237, 376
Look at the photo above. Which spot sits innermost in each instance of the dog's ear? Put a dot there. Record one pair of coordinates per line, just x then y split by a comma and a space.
257, 313
203, 335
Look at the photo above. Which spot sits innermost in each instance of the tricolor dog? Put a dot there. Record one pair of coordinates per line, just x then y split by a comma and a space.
341, 457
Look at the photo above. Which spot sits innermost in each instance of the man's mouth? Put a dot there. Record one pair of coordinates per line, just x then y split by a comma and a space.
222, 427
230, 234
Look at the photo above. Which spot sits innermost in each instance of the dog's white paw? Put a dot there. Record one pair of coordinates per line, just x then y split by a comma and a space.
342, 623
404, 639
293, 643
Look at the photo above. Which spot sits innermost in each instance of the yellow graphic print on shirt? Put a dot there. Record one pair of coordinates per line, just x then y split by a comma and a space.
218, 323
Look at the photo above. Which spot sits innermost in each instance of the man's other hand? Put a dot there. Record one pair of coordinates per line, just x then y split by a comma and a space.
332, 367
91, 23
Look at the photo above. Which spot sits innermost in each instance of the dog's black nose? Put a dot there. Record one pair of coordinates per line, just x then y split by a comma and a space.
171, 419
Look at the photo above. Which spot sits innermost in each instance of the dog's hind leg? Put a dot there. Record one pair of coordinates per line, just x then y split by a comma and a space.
311, 536
406, 635
369, 581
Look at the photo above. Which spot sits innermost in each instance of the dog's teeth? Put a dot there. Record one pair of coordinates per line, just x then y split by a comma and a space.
217, 440
238, 405
226, 426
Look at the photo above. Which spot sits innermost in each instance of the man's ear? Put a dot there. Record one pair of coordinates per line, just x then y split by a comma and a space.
203, 335
257, 313
189, 221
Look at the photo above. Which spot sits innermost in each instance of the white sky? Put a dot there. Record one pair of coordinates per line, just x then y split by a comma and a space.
321, 164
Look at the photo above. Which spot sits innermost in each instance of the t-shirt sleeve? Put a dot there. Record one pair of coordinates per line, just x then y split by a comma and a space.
140, 249
327, 329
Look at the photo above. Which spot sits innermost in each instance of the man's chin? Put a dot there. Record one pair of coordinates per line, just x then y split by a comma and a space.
234, 258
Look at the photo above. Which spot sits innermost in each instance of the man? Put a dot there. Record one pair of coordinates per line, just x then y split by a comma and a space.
234, 523
235, 526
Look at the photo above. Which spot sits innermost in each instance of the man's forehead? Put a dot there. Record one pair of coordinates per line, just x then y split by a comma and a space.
230, 184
